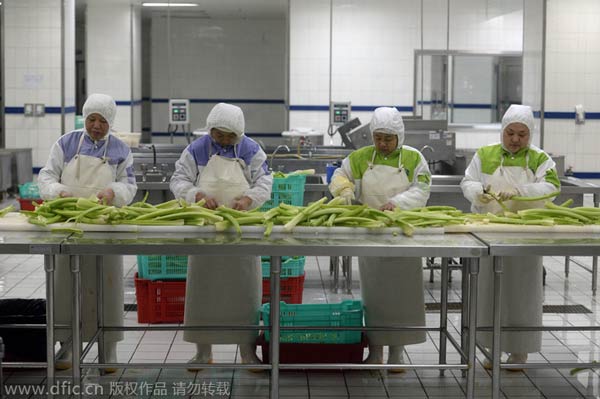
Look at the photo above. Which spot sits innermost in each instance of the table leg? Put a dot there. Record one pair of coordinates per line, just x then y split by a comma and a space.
567, 264
497, 330
274, 345
49, 266
99, 307
76, 318
472, 326
464, 308
443, 313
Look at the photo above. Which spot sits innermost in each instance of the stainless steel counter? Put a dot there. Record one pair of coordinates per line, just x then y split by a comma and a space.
441, 245
47, 244
449, 245
521, 244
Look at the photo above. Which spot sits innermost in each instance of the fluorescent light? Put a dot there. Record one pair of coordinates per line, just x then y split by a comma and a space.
169, 4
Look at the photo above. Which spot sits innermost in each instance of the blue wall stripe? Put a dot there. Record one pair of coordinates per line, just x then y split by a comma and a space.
472, 106
49, 110
587, 175
358, 108
36, 170
262, 134
128, 102
224, 100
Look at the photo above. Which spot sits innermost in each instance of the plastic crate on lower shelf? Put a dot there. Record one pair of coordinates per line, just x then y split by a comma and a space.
159, 301
345, 314
162, 267
315, 353
292, 266
26, 204
290, 291
288, 190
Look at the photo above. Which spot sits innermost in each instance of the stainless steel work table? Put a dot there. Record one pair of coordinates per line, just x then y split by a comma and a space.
522, 244
47, 244
277, 245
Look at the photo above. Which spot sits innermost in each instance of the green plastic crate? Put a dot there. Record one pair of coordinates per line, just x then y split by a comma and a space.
162, 267
289, 190
345, 314
290, 266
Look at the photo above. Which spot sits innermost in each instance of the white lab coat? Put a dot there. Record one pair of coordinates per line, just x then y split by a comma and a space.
222, 290
391, 288
75, 177
522, 292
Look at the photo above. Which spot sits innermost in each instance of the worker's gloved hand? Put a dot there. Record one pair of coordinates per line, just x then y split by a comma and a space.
340, 183
210, 202
242, 204
106, 196
64, 194
484, 198
507, 194
348, 195
387, 207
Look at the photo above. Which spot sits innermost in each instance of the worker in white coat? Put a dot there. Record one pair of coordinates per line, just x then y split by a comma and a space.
83, 163
512, 167
226, 168
385, 176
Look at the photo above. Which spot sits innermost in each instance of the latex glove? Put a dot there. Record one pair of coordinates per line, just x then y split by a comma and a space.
484, 198
507, 194
242, 204
211, 203
348, 195
340, 183
106, 196
387, 207
64, 194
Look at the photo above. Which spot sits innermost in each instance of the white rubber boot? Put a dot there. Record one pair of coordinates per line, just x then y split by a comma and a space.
203, 355
516, 358
375, 355
110, 356
65, 361
396, 356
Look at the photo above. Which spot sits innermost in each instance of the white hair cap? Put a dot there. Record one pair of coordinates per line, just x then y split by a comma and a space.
101, 104
388, 120
226, 117
517, 113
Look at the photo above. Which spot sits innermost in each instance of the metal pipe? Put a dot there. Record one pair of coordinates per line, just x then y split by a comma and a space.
496, 353
443, 313
274, 345
472, 325
49, 269
100, 307
74, 261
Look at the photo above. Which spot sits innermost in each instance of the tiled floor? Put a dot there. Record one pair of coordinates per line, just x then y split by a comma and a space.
22, 277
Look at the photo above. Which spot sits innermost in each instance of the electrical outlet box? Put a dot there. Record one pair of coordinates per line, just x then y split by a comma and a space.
179, 112
39, 109
28, 110
339, 113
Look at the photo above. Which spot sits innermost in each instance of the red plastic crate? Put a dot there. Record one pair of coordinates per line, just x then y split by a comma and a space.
291, 289
315, 353
159, 301
26, 204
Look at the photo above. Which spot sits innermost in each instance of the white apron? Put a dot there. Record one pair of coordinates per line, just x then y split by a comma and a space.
391, 288
85, 176
222, 289
522, 291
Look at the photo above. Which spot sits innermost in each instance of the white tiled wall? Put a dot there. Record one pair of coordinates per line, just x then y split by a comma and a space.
111, 28
573, 77
473, 84
532, 57
33, 71
373, 48
486, 25
220, 59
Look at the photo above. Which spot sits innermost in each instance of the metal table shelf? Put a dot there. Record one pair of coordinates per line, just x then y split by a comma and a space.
277, 245
521, 244
47, 244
